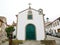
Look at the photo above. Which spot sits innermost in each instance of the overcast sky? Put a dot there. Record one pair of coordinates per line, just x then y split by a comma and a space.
9, 8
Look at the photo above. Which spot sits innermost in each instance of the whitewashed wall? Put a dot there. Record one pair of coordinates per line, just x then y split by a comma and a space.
53, 28
37, 21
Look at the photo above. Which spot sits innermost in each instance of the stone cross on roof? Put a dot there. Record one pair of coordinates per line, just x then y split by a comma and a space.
29, 5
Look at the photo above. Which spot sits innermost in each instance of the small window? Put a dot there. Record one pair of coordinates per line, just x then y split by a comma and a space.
29, 16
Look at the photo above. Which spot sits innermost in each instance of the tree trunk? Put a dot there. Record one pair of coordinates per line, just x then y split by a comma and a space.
10, 39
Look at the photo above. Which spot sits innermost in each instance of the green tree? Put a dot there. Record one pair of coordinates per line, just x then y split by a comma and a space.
10, 30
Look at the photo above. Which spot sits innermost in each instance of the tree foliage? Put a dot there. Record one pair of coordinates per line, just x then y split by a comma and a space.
9, 30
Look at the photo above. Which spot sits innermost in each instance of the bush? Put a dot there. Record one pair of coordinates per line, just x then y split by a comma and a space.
14, 36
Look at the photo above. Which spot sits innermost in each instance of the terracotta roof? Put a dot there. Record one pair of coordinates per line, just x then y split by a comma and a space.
53, 21
47, 23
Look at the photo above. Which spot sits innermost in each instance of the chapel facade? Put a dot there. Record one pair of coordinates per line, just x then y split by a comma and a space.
30, 24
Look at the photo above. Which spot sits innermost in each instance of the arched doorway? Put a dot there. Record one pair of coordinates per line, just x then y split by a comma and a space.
30, 32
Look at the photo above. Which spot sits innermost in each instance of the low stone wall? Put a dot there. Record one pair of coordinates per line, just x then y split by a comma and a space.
48, 42
34, 42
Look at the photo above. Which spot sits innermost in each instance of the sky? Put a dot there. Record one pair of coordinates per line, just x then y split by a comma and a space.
10, 8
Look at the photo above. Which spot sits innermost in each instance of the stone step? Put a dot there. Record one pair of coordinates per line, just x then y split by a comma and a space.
31, 42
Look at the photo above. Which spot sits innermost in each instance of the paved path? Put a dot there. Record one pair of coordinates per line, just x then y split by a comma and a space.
38, 42
27, 43
6, 43
31, 42
54, 38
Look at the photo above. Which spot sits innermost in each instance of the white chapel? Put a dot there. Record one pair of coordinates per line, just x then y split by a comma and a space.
30, 24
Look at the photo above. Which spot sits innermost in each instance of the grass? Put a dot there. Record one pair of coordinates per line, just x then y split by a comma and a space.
14, 42
17, 42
